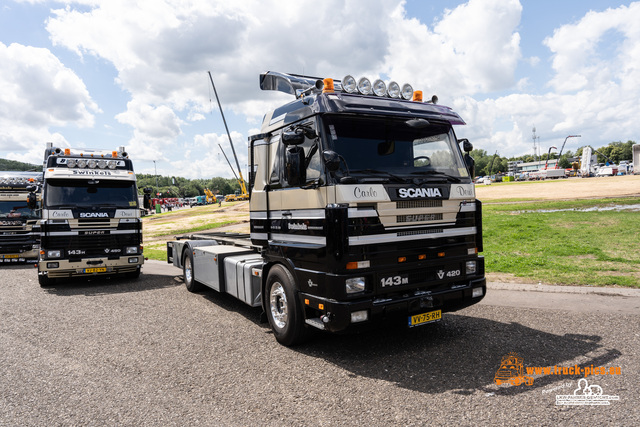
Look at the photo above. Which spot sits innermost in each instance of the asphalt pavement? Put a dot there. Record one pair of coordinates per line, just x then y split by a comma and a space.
147, 352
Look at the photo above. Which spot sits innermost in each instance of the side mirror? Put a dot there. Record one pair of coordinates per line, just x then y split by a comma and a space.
295, 137
32, 201
331, 160
467, 147
470, 163
295, 172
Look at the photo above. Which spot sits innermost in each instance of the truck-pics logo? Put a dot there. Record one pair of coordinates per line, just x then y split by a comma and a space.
413, 193
93, 215
511, 371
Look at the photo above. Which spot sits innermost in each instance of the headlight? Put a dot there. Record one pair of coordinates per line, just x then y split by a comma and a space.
364, 86
379, 88
82, 163
471, 267
407, 91
393, 90
71, 163
133, 260
355, 285
349, 84
131, 250
54, 254
359, 316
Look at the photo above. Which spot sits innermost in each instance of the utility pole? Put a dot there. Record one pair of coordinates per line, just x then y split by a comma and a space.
156, 174
535, 151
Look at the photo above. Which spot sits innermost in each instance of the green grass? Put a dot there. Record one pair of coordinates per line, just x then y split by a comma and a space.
204, 226
566, 247
157, 254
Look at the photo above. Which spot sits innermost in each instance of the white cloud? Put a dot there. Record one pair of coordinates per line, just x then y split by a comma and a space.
161, 50
471, 49
38, 92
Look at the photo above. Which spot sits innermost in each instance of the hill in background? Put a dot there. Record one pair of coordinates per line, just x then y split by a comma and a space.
13, 165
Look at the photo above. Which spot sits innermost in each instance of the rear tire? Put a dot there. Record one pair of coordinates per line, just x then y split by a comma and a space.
188, 273
283, 308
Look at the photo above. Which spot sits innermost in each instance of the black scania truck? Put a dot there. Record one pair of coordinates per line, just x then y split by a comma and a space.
362, 210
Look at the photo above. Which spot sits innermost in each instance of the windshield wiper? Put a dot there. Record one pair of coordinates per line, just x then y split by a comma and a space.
388, 174
439, 174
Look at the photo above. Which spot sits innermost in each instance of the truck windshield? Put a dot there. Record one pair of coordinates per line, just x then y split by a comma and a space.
17, 209
394, 147
71, 193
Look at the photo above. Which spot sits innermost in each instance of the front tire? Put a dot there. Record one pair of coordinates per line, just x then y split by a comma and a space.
188, 273
283, 307
45, 281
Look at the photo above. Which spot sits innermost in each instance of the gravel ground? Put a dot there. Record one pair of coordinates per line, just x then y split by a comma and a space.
147, 352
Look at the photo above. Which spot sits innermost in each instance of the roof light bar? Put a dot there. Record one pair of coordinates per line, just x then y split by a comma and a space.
393, 90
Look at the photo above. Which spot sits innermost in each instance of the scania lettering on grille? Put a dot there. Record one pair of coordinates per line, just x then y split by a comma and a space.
93, 215
412, 193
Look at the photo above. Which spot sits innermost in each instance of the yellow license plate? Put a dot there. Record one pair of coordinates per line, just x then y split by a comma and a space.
95, 270
421, 319
12, 256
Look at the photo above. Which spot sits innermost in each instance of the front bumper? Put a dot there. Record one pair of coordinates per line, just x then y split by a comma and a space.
19, 257
336, 315
89, 267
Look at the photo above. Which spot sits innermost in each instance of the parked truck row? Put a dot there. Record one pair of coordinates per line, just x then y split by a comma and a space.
20, 205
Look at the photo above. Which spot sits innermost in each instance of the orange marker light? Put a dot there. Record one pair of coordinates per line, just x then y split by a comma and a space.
422, 256
67, 151
402, 259
114, 154
417, 96
306, 301
328, 85
352, 265
441, 254
321, 306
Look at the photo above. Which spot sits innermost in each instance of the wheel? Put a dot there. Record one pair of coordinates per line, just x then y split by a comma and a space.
133, 274
187, 273
283, 307
421, 161
45, 281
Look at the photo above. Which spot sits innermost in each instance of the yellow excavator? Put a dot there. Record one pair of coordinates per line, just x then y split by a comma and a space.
211, 198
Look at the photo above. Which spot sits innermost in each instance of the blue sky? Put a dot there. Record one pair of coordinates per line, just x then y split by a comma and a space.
103, 74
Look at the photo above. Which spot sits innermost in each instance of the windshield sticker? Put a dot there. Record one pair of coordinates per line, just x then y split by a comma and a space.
332, 129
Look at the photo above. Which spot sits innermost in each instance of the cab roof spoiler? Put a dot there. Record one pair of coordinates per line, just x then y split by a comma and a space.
293, 84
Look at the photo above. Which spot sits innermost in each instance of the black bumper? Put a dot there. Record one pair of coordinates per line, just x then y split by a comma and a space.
336, 315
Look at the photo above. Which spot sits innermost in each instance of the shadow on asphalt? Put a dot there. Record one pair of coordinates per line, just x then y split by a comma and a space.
460, 353
104, 285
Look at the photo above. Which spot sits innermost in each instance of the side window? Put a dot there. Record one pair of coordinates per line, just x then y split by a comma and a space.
277, 153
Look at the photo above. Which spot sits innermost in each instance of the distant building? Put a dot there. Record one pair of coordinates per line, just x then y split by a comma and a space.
519, 167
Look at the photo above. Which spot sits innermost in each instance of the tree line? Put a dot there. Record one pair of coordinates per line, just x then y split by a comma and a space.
491, 164
176, 186
486, 164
